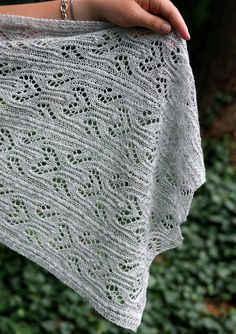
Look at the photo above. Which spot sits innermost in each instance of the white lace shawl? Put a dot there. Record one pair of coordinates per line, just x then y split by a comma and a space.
100, 153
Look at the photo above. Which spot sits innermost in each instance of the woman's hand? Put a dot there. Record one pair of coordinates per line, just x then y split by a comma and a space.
158, 15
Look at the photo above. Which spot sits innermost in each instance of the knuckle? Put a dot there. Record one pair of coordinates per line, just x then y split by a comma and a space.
154, 22
129, 18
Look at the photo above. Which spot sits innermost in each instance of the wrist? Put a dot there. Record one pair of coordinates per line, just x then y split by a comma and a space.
84, 10
67, 9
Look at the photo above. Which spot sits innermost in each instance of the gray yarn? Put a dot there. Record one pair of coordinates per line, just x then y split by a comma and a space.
100, 153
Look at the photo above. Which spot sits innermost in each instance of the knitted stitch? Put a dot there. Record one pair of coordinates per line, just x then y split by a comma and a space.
100, 153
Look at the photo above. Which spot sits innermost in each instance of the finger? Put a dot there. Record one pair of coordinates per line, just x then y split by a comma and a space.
145, 19
172, 14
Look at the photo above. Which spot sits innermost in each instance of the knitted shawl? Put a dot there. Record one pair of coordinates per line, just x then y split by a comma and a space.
100, 153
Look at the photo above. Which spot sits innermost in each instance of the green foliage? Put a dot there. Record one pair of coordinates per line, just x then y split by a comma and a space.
220, 100
186, 285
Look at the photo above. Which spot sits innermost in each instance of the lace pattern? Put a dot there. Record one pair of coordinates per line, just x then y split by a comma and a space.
100, 153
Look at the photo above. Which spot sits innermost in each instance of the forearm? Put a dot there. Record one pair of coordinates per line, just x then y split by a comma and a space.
47, 10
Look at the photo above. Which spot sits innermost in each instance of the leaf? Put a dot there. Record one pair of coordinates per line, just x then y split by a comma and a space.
21, 328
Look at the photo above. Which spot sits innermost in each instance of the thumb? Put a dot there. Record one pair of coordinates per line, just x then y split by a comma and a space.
153, 22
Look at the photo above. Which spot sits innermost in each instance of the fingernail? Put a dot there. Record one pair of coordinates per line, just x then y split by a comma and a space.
189, 37
165, 28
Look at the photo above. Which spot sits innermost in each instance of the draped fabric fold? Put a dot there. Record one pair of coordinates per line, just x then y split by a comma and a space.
100, 153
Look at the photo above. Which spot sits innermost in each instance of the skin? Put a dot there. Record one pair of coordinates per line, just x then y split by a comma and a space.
158, 15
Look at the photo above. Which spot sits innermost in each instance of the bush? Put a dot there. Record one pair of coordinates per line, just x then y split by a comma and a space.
191, 288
